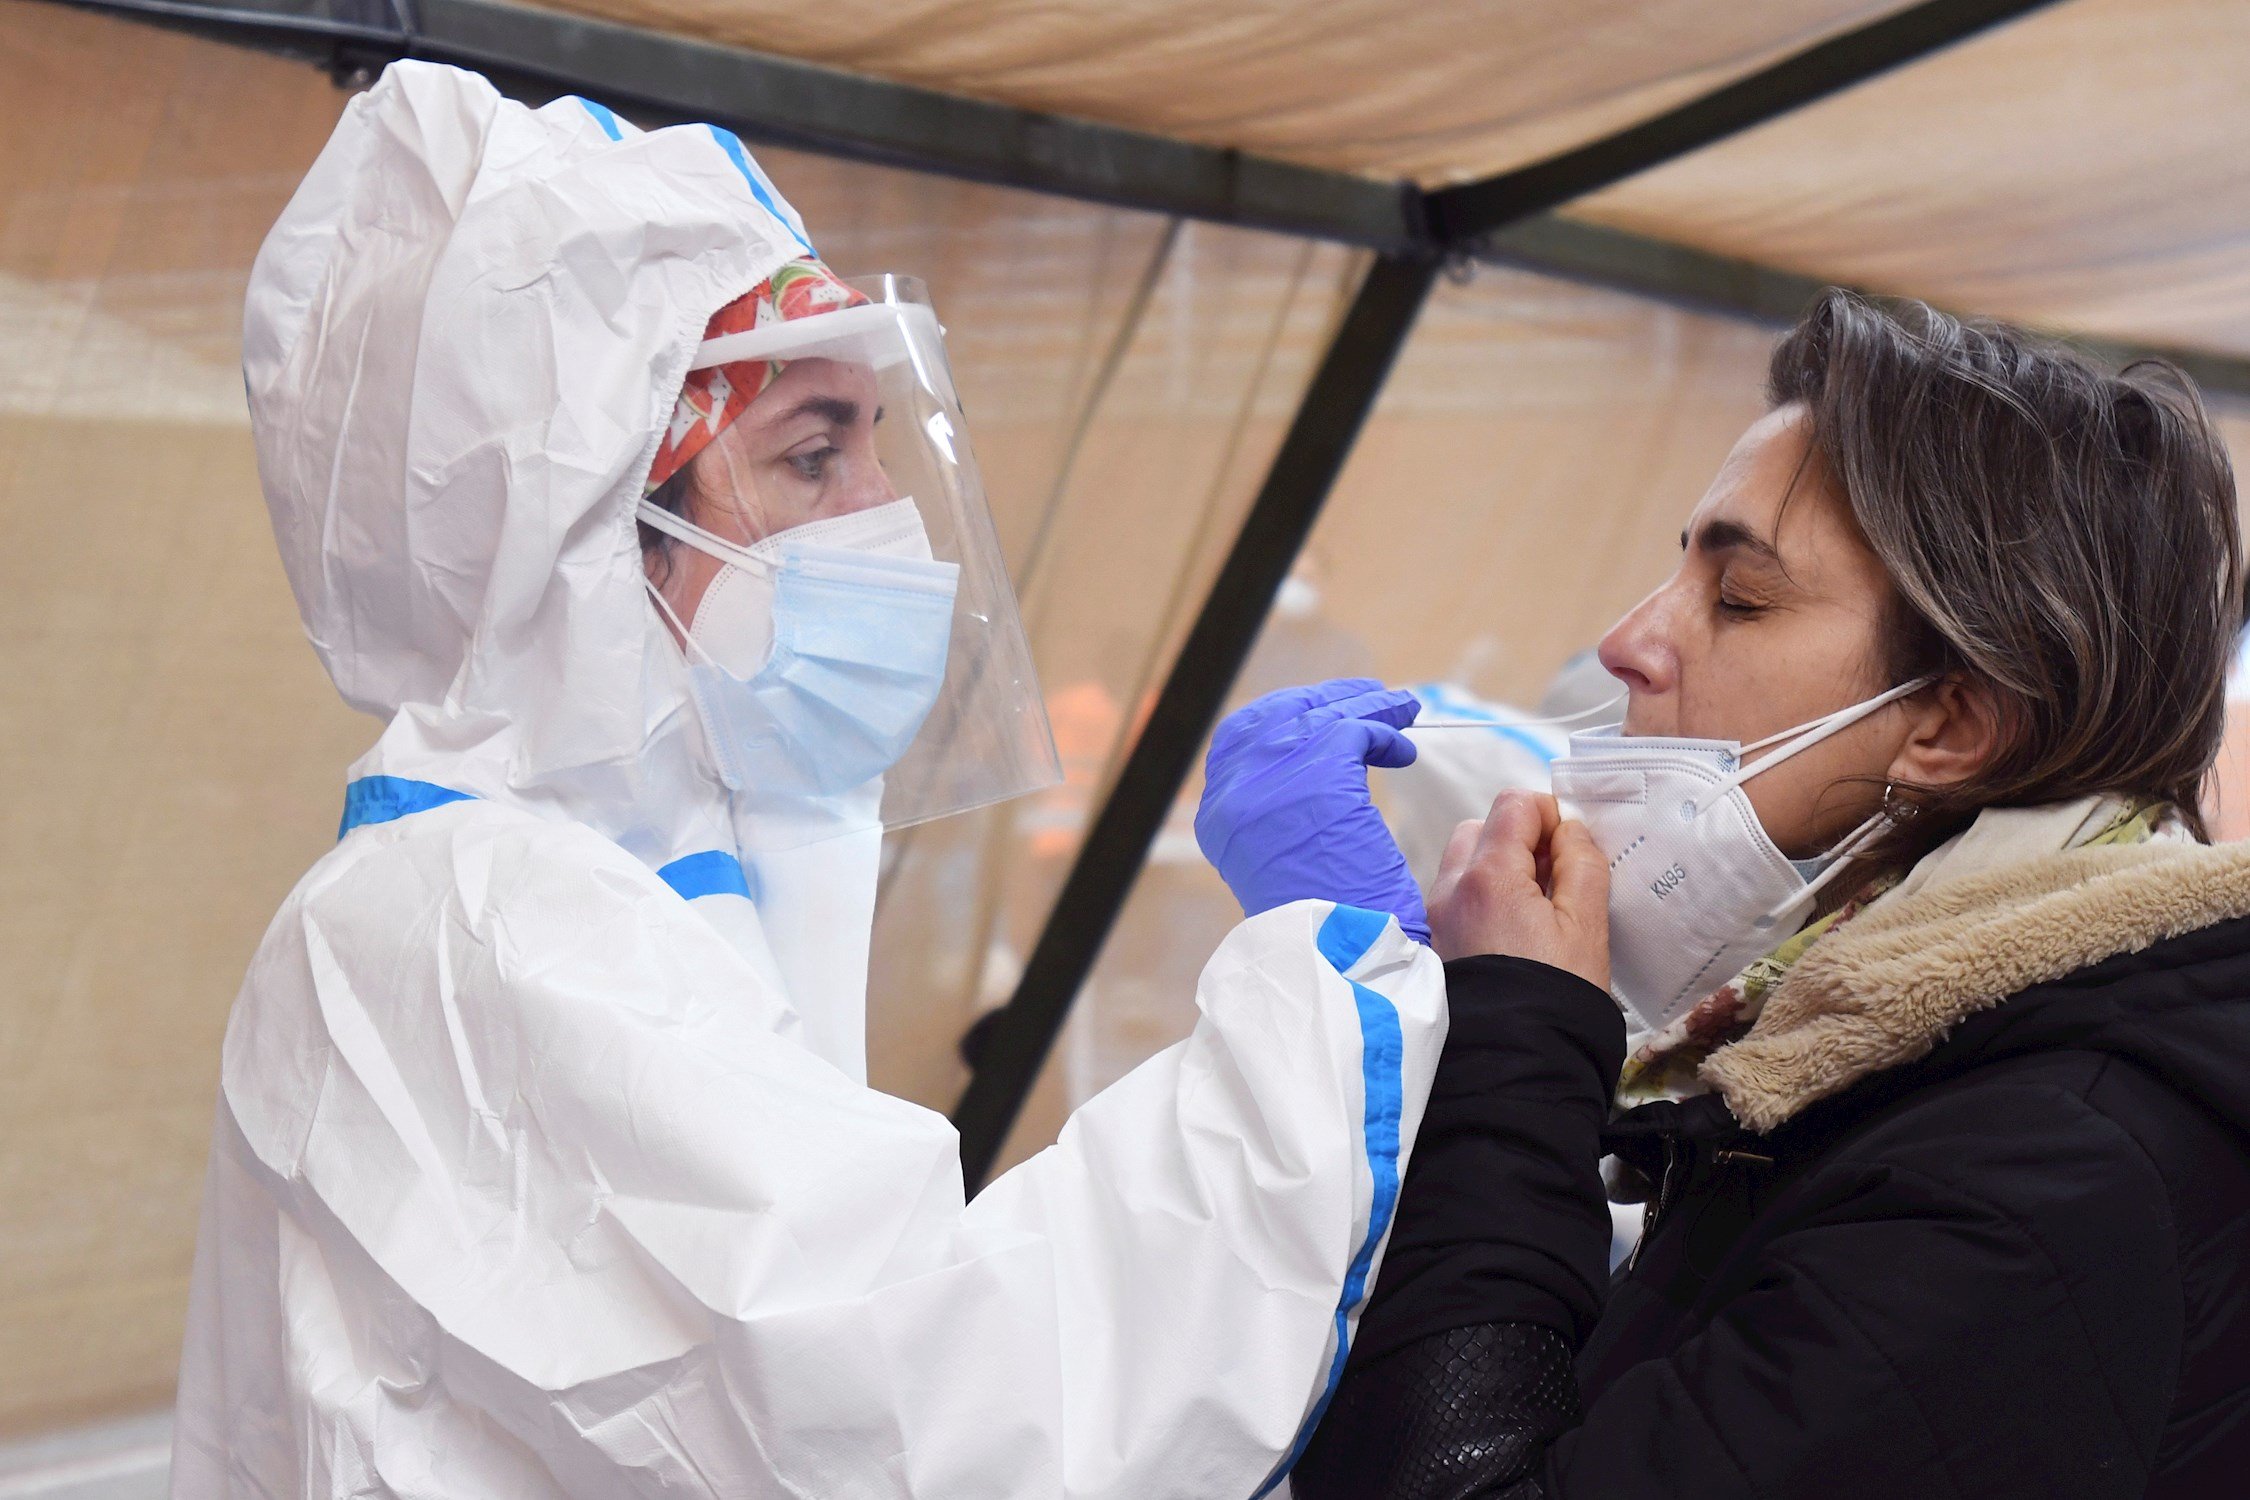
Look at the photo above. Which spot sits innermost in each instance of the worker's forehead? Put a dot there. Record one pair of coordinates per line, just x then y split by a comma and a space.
803, 377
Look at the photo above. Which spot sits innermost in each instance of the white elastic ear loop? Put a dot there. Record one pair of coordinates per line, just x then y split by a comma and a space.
1850, 714
681, 529
688, 642
1809, 734
1838, 856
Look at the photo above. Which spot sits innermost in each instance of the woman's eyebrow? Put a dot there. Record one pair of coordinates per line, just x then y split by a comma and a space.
834, 410
1733, 536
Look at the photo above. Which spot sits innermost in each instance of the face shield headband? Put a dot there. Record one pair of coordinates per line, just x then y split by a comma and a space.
721, 387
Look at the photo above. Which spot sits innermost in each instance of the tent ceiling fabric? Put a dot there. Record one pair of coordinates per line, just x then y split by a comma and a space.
2080, 169
1438, 93
2083, 168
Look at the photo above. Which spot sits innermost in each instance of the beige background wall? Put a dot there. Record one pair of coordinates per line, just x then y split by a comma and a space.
168, 745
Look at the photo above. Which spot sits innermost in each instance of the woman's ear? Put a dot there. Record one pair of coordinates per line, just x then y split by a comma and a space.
1954, 731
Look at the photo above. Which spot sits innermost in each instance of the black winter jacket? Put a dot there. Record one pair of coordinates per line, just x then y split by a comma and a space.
2017, 1267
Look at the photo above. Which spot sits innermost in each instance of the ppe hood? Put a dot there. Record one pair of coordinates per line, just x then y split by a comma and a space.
461, 344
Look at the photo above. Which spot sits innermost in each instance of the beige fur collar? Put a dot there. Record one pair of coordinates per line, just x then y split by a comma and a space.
1886, 988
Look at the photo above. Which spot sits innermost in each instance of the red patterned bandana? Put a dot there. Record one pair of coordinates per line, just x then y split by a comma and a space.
712, 398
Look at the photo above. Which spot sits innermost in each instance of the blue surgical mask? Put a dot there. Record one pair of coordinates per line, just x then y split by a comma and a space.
817, 653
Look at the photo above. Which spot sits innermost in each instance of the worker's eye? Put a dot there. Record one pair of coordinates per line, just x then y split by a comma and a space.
1737, 607
814, 463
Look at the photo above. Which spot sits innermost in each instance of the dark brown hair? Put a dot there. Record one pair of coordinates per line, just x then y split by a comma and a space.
2063, 535
658, 549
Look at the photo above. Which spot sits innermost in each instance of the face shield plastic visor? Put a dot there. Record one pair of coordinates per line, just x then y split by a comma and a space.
855, 650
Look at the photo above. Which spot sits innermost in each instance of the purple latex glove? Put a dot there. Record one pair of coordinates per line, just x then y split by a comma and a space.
1286, 815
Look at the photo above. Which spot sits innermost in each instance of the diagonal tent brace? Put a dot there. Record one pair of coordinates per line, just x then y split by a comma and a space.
1595, 255
1336, 404
1015, 1040
1460, 216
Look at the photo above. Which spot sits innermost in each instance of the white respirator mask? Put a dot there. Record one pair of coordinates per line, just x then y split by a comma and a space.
1697, 890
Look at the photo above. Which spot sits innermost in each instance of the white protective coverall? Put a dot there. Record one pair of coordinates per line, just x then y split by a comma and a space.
544, 1161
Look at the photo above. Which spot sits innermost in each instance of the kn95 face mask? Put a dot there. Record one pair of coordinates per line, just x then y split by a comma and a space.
1698, 890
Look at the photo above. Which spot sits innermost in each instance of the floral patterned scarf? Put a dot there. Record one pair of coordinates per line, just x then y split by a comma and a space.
1663, 1065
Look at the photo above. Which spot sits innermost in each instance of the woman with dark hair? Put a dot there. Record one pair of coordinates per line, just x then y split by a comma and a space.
1938, 1085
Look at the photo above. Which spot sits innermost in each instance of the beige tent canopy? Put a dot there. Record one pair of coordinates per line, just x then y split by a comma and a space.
2081, 169
1178, 247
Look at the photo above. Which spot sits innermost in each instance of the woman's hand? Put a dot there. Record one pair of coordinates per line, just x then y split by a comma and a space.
1526, 883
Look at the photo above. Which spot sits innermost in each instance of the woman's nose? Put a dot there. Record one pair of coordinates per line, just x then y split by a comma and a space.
870, 487
1638, 650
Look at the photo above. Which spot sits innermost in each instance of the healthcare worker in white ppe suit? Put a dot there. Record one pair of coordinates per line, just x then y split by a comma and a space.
545, 1163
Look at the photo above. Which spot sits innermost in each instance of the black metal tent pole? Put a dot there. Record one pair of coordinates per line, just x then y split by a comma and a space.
1016, 1041
657, 78
1013, 1043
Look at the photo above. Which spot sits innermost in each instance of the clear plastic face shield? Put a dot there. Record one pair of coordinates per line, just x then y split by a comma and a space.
851, 634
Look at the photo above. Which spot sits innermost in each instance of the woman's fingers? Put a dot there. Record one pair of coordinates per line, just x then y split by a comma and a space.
1459, 849
1581, 902
1550, 816
1581, 880
1513, 822
1514, 833
1525, 882
1485, 896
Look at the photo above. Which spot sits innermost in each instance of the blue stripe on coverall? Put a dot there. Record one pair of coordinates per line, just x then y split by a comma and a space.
729, 142
1344, 940
602, 117
385, 799
714, 872
759, 186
